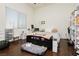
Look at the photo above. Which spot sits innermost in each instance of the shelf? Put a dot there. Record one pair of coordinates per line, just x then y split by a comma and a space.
9, 34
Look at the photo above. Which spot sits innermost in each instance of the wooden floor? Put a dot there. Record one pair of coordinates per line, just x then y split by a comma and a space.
15, 50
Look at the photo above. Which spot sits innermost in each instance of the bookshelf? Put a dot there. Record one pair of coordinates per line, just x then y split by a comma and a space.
75, 23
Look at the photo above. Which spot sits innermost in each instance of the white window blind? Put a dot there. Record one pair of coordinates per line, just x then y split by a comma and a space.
22, 21
15, 19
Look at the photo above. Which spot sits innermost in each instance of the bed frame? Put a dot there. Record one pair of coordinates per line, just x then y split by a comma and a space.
38, 40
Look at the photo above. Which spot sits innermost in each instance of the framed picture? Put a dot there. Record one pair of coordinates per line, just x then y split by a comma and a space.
42, 22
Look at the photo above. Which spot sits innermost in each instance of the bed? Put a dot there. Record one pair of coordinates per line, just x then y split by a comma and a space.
44, 41
41, 39
37, 43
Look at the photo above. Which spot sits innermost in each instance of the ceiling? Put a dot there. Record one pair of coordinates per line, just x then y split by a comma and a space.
38, 5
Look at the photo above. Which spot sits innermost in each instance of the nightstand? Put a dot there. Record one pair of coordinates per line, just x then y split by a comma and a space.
56, 40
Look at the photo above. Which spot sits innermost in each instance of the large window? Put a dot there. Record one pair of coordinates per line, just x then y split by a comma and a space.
15, 19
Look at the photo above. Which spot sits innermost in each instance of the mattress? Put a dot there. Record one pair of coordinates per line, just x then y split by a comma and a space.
35, 49
42, 34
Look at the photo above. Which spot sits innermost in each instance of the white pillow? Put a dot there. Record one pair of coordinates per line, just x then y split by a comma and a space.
28, 44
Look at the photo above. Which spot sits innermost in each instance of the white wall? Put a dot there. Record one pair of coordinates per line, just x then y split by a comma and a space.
56, 16
2, 22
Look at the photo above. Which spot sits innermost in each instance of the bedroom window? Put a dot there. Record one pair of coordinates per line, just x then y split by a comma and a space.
15, 19
21, 21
